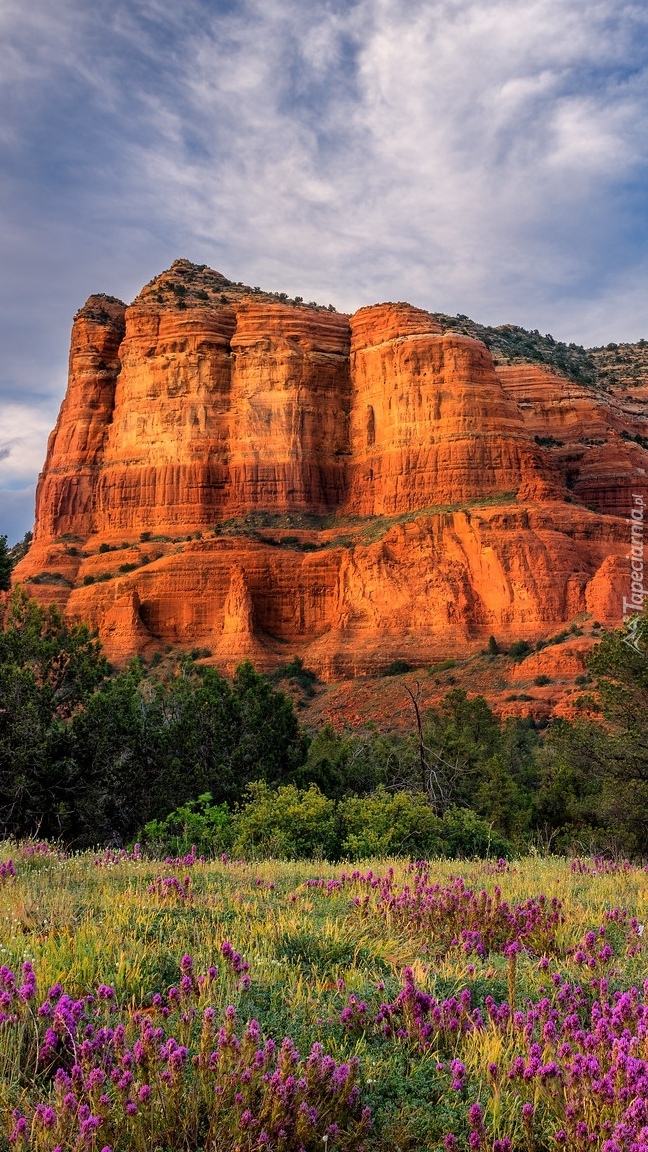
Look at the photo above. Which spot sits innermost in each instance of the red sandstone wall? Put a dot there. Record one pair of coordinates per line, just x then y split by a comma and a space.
199, 404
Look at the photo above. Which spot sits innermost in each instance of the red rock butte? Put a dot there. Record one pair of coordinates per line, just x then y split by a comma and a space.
255, 477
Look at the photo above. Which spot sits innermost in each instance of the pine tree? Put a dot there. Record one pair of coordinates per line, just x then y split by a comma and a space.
5, 565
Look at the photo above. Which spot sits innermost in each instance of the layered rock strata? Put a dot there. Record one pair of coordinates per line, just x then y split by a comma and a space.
254, 477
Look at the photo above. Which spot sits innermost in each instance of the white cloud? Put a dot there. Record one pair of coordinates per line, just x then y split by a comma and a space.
469, 144
23, 431
481, 158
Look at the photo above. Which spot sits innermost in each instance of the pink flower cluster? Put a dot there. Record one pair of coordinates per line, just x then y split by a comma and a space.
576, 1062
500, 867
113, 856
170, 888
451, 915
600, 866
236, 965
622, 934
13, 996
582, 1071
173, 1075
417, 1017
188, 860
41, 850
455, 915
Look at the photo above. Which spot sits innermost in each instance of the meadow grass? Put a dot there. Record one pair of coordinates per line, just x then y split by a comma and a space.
325, 956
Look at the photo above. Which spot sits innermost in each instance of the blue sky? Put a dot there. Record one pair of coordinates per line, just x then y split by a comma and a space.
485, 158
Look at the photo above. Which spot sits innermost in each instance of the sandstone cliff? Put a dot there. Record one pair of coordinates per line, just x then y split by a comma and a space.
243, 474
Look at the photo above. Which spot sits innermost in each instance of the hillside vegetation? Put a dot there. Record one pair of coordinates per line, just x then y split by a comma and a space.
90, 756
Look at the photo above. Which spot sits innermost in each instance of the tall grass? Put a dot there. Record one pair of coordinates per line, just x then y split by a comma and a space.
385, 965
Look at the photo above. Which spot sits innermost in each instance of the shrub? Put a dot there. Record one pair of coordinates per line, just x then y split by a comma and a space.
466, 835
397, 668
444, 666
48, 578
404, 824
519, 650
295, 672
389, 824
549, 441
198, 822
288, 822
542, 680
559, 638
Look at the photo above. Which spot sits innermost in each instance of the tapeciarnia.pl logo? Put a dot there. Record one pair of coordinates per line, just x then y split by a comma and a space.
633, 606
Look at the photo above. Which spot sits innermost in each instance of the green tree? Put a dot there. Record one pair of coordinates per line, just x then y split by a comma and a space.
511, 772
48, 670
619, 751
501, 800
193, 728
5, 565
66, 659
467, 836
142, 746
599, 777
347, 763
567, 801
114, 767
92, 757
459, 737
271, 745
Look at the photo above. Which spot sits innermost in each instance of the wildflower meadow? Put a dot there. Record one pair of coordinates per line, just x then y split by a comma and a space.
490, 1006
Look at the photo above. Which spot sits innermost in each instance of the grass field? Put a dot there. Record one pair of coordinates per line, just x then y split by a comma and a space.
504, 1010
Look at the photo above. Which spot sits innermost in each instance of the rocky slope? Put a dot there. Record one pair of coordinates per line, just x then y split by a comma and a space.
244, 475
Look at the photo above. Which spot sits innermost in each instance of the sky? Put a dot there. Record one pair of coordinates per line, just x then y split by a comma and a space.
473, 157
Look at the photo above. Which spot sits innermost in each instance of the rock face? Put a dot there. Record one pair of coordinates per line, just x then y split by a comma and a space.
237, 472
430, 421
66, 492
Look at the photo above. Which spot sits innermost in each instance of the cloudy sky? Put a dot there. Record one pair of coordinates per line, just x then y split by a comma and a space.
465, 155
